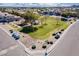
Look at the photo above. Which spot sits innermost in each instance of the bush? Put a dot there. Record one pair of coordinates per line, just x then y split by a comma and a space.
47, 42
51, 42
11, 31
53, 34
28, 29
44, 46
62, 29
60, 32
33, 47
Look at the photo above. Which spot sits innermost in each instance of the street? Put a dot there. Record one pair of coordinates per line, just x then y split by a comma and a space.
10, 47
68, 44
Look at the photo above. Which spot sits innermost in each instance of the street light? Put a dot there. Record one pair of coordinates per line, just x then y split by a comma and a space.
46, 54
45, 50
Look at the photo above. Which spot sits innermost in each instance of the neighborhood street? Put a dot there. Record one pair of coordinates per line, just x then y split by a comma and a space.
68, 44
10, 47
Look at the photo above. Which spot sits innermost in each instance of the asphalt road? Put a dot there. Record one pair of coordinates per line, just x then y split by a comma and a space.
68, 44
10, 47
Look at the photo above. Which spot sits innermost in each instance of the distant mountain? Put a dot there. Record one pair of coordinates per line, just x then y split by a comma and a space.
39, 4
75, 6
26, 5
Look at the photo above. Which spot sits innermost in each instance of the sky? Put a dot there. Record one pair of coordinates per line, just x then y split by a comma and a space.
37, 4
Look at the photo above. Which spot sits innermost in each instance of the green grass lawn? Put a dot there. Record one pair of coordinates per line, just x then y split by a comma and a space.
47, 30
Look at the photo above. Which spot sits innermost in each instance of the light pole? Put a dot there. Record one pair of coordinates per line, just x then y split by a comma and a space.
46, 52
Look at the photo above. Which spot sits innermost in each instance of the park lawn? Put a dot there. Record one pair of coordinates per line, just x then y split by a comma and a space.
47, 30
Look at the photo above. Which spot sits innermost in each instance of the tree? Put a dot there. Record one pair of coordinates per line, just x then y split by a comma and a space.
43, 20
30, 17
15, 13
57, 19
3, 9
45, 17
34, 47
44, 46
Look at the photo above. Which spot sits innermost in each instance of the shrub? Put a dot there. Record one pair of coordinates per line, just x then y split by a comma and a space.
44, 46
34, 47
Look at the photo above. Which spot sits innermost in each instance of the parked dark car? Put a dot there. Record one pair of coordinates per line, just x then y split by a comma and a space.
57, 37
64, 19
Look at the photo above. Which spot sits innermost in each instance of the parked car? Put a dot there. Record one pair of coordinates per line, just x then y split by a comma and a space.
57, 37
15, 35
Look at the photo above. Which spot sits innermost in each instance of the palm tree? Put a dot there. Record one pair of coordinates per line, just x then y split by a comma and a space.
45, 17
43, 20
57, 19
